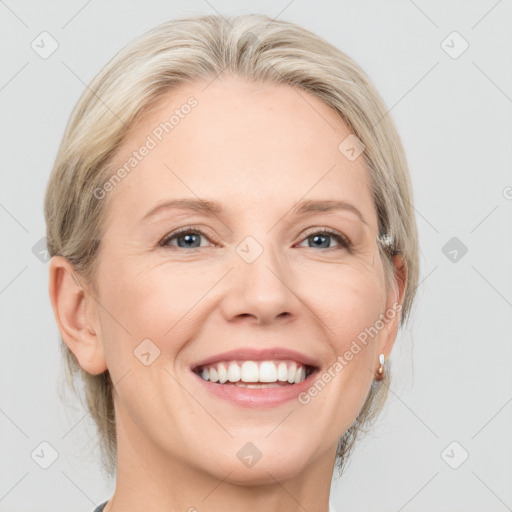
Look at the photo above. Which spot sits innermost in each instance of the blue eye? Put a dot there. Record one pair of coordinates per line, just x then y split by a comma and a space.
319, 236
188, 235
191, 236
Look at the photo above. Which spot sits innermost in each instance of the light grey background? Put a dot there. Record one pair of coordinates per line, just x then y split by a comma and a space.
451, 367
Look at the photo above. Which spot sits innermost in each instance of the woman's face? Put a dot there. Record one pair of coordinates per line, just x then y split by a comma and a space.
257, 274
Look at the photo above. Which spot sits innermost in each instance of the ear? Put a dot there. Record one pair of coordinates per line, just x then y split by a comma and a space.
394, 300
75, 311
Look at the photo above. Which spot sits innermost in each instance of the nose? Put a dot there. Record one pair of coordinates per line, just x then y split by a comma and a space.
260, 287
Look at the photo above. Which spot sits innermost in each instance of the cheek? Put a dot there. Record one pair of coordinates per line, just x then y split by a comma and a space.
156, 303
349, 303
346, 299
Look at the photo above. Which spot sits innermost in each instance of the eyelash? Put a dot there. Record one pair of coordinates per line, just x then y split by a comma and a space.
340, 238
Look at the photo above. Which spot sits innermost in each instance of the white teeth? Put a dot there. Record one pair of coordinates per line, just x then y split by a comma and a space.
291, 372
268, 372
249, 372
233, 372
214, 376
223, 373
282, 372
254, 372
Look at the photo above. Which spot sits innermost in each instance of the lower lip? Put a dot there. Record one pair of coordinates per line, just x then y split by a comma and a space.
257, 397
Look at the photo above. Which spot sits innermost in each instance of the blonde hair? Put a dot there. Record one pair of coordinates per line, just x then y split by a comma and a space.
183, 51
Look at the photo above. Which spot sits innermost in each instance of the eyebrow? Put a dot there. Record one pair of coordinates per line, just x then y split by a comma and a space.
212, 207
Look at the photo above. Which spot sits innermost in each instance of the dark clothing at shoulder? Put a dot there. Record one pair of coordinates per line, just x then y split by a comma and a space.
101, 507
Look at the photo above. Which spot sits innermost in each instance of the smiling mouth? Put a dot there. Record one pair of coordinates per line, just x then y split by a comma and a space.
255, 374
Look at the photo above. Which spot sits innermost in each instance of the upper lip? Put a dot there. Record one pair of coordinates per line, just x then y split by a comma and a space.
253, 354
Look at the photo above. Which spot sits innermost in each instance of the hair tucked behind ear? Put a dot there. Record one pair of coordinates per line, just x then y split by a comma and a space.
182, 51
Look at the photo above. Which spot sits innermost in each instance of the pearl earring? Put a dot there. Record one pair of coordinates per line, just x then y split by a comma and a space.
381, 360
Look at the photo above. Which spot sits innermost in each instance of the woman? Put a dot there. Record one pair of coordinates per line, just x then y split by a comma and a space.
233, 250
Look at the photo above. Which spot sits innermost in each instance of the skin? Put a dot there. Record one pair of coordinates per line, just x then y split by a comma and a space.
257, 149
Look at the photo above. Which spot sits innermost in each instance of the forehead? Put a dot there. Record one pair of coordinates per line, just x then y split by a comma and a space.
241, 142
